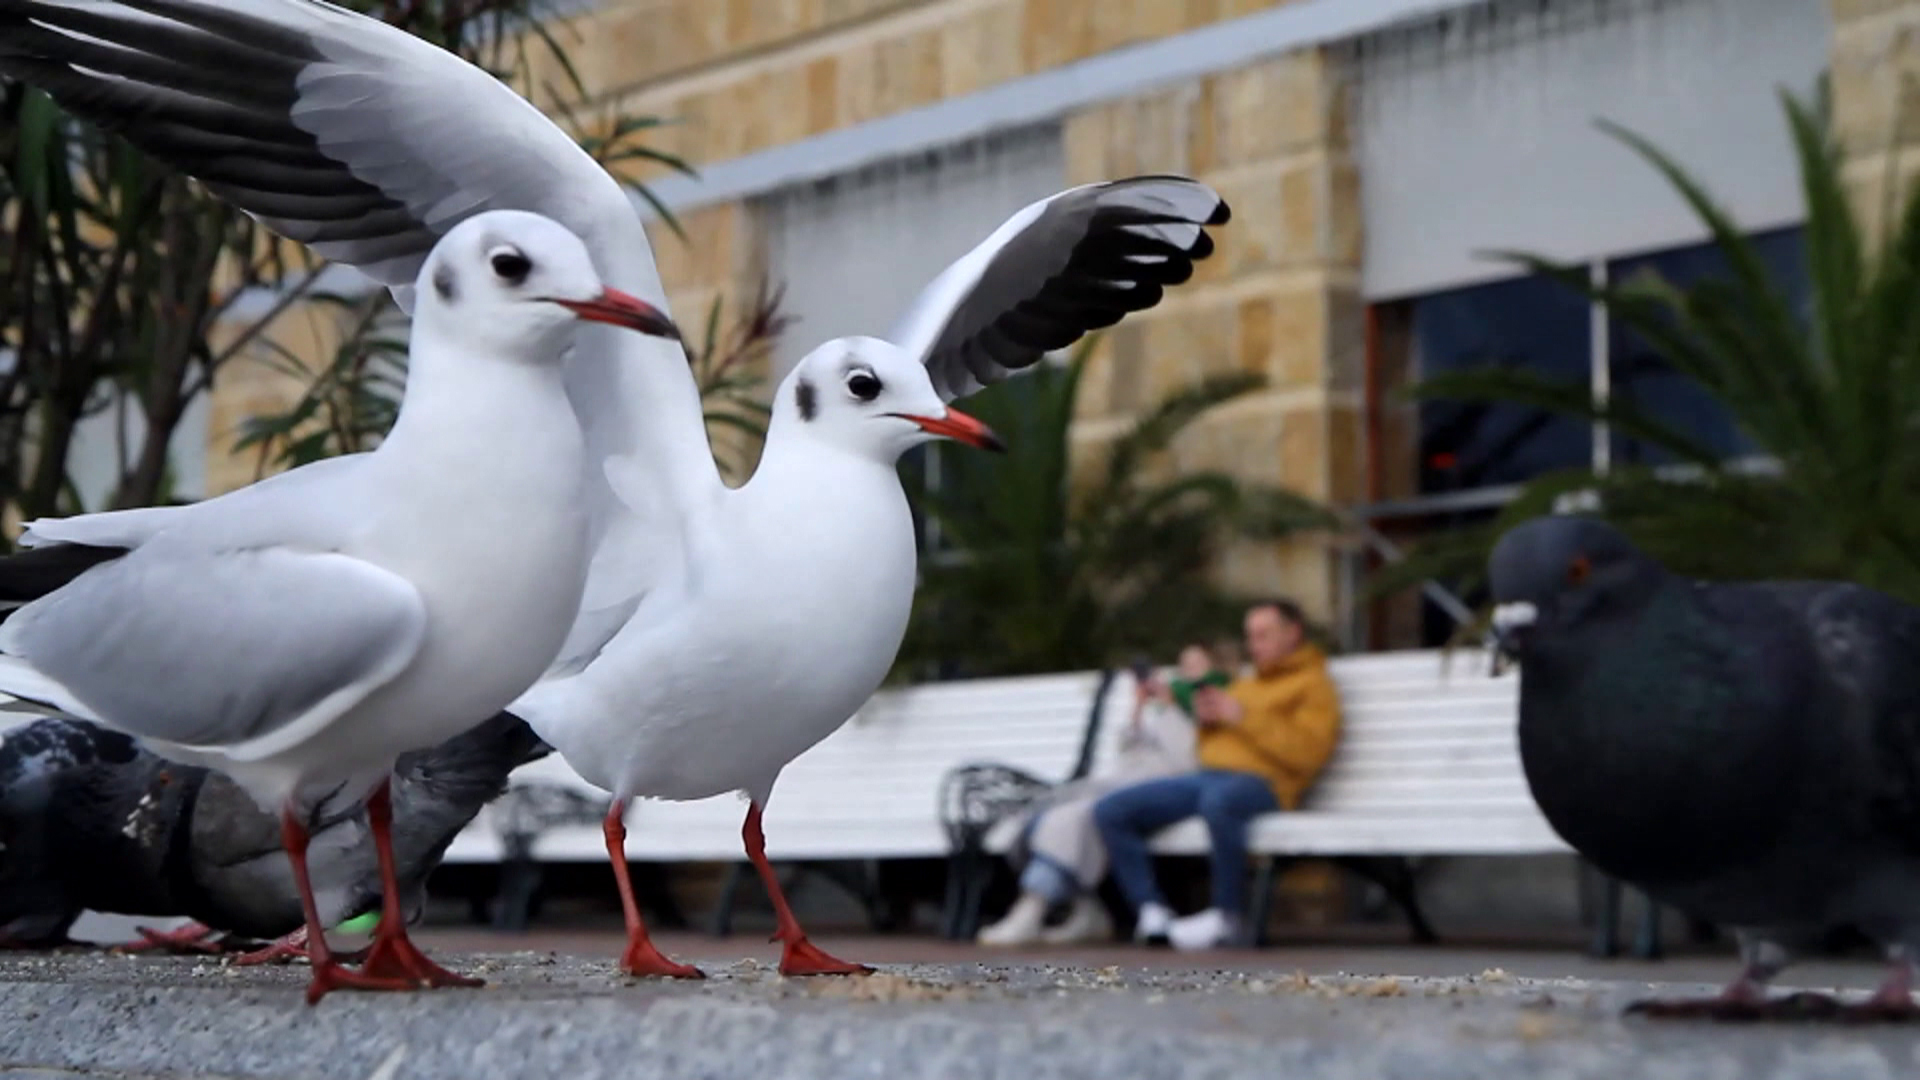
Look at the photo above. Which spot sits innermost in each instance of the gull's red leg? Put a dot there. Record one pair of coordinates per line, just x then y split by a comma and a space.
798, 955
392, 955
327, 972
641, 958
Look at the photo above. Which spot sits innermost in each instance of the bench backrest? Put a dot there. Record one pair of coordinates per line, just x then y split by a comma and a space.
1428, 763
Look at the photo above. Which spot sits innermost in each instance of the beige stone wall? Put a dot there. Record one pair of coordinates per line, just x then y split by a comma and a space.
1875, 78
745, 75
1280, 297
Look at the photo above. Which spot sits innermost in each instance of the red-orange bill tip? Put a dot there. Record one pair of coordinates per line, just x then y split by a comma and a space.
959, 427
623, 309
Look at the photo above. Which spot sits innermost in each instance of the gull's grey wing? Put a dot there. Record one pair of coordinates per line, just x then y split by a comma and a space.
1076, 261
334, 129
248, 650
368, 144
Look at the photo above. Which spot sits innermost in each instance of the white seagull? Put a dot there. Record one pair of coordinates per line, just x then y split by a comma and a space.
723, 631
301, 634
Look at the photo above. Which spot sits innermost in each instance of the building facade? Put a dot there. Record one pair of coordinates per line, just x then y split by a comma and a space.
1373, 151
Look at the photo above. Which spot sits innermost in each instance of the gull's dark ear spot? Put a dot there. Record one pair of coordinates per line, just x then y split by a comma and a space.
444, 284
803, 395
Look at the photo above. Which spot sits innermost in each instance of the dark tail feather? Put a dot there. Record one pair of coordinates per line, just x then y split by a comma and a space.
34, 572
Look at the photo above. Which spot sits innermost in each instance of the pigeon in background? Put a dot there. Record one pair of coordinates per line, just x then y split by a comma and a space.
1748, 753
90, 820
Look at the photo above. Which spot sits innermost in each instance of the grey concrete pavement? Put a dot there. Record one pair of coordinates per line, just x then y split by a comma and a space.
548, 1015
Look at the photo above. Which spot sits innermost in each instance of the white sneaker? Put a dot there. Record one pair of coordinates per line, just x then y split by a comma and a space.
1210, 929
1086, 921
1152, 925
1020, 926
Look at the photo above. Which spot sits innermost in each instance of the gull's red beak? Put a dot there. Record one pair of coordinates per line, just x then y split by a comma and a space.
621, 309
959, 427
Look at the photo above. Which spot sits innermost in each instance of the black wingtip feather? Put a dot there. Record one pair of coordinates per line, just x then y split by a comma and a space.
1130, 249
34, 572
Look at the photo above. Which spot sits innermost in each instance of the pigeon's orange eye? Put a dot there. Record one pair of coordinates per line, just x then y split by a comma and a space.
1578, 569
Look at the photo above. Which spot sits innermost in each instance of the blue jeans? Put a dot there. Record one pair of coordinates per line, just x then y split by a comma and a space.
1226, 801
1043, 877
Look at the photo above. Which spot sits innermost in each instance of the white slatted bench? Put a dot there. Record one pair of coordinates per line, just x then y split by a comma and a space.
1427, 764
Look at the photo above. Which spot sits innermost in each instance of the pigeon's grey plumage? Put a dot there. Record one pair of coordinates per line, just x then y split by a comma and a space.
1746, 752
89, 820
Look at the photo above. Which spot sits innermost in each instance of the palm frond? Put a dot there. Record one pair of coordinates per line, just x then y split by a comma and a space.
1829, 395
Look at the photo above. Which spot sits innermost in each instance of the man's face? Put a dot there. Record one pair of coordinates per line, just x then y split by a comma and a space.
1270, 636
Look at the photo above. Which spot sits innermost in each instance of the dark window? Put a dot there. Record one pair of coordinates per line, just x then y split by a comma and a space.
1637, 373
1530, 323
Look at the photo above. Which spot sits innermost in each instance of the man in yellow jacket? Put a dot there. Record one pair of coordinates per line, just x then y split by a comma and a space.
1261, 742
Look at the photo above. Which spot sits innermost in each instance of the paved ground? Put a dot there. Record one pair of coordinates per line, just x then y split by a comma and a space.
1440, 1014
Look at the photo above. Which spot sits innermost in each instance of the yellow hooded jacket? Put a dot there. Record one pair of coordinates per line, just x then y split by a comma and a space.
1289, 722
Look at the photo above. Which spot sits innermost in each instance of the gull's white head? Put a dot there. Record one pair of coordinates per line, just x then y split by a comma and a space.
872, 398
513, 284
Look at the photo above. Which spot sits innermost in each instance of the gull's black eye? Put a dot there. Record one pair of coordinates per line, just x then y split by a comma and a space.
863, 385
512, 266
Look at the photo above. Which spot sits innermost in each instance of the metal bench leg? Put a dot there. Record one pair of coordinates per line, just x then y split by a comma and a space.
860, 880
960, 912
950, 899
1395, 875
519, 880
1606, 924
1647, 944
979, 874
1262, 907
514, 906
656, 896
729, 893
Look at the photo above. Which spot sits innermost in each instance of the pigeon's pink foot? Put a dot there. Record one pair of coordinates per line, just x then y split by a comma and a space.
1744, 999
286, 950
191, 938
1891, 1003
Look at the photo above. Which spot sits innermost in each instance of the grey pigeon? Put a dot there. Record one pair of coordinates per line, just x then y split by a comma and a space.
1746, 752
90, 820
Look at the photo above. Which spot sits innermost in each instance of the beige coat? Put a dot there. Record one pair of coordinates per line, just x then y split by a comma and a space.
1065, 834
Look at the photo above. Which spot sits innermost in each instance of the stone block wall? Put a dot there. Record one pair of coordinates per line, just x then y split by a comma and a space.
1280, 297
746, 75
1875, 81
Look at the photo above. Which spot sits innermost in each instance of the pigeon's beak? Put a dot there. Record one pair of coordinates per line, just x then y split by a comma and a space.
959, 427
620, 309
1511, 624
